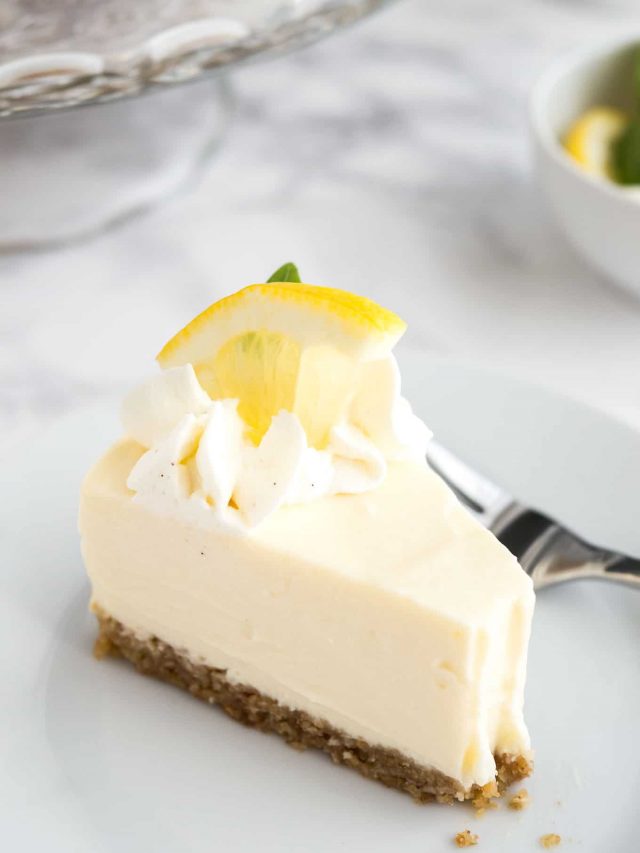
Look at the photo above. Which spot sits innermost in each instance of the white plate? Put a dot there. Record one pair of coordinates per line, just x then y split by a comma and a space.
577, 463
96, 758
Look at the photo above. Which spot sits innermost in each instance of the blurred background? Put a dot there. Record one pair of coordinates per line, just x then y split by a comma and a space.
393, 159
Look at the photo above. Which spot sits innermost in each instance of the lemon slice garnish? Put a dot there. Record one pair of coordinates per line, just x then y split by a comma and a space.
589, 141
286, 346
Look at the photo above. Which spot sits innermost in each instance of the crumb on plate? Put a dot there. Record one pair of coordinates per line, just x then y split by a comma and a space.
520, 800
466, 839
551, 839
481, 803
102, 648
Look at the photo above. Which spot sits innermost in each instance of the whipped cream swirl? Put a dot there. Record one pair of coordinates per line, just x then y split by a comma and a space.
200, 466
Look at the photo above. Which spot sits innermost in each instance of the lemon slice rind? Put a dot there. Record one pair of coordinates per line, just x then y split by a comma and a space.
590, 139
307, 313
285, 346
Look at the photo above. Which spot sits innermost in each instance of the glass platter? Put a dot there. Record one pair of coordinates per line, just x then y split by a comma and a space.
69, 173
70, 52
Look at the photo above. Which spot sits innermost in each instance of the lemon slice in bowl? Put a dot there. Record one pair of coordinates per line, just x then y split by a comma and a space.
590, 139
285, 345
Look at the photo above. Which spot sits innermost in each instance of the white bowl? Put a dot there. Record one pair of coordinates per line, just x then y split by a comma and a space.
600, 218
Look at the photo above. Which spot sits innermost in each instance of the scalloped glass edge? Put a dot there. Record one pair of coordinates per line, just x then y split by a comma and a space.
63, 79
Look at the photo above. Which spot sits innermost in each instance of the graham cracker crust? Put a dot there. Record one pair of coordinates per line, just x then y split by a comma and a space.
154, 657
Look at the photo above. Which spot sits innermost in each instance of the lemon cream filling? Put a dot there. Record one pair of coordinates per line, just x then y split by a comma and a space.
390, 614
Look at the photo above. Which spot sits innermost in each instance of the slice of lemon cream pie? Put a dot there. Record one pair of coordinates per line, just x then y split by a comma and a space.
268, 536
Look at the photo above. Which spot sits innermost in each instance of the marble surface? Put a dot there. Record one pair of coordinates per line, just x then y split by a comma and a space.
392, 159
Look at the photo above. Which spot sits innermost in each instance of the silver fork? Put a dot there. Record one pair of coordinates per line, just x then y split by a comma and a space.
547, 552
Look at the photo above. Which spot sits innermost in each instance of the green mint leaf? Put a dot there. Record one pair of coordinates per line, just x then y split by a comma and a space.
625, 154
287, 272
